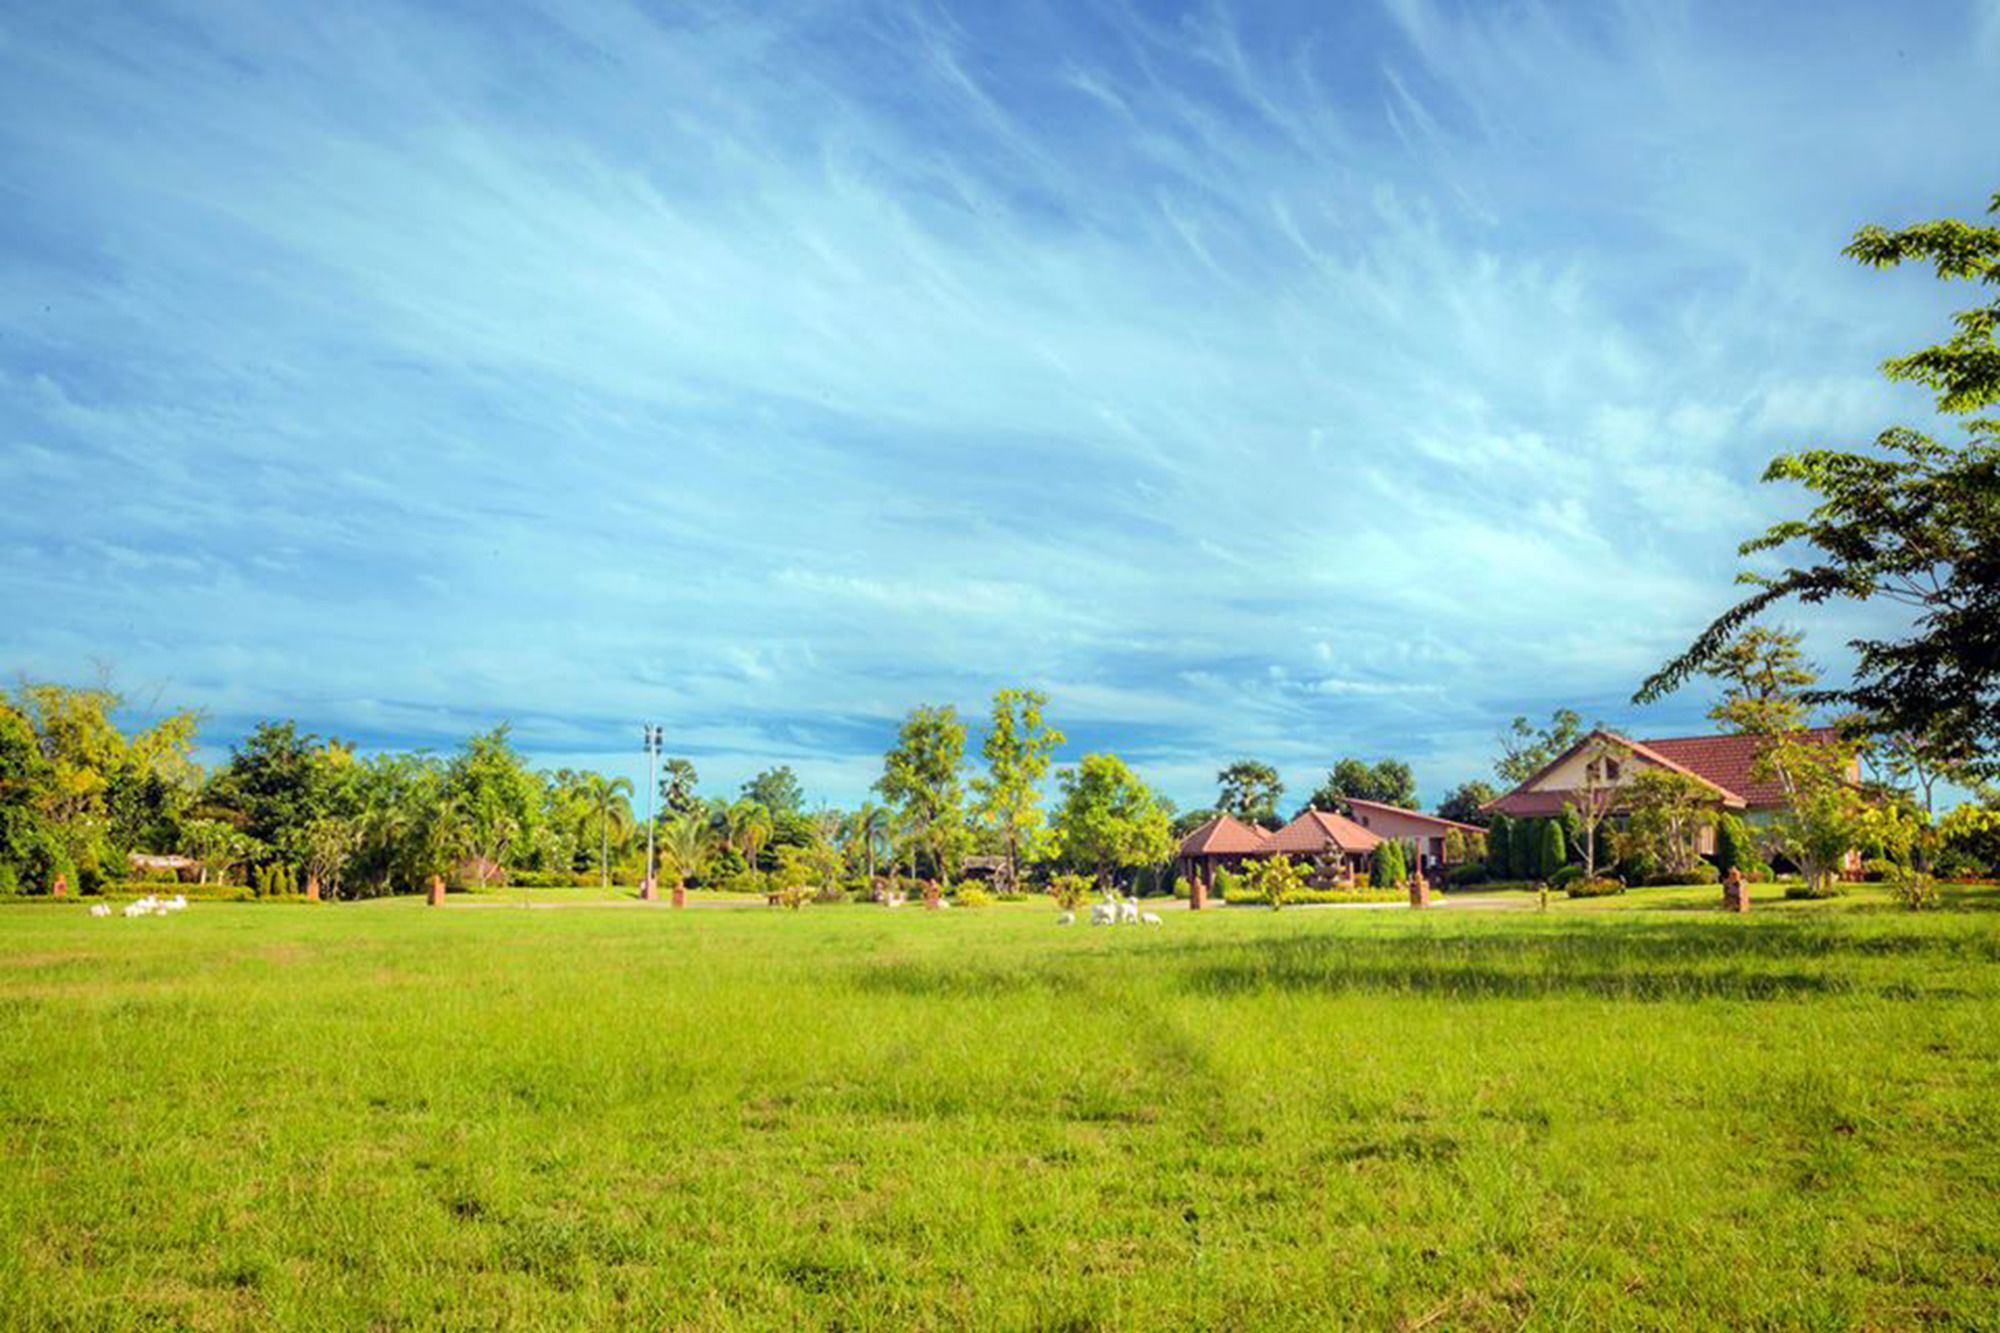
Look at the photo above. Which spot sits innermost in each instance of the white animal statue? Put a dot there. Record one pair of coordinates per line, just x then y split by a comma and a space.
1103, 914
140, 907
100, 909
1066, 919
177, 903
1149, 918
1128, 912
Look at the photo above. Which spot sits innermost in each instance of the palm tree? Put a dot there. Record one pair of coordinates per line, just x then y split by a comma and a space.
872, 827
684, 844
754, 832
609, 801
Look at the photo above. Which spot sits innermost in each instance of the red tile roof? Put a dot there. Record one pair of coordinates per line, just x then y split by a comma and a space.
1225, 836
1730, 762
1724, 762
1316, 832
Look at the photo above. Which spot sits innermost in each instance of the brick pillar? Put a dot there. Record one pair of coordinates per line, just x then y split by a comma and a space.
1735, 892
931, 894
680, 895
60, 889
649, 890
1420, 892
436, 898
1197, 890
312, 887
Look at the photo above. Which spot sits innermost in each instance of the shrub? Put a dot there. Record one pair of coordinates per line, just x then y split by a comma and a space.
1594, 888
1229, 886
1565, 877
1500, 848
1733, 848
1524, 849
1273, 880
1701, 872
10, 882
972, 897
1388, 871
1466, 875
1914, 892
1804, 889
1552, 852
1069, 890
1347, 896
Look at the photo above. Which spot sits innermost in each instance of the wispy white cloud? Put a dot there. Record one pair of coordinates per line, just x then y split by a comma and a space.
1257, 381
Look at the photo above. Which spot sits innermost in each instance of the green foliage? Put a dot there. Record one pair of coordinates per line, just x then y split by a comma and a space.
1230, 887
1250, 791
1272, 880
1389, 781
1388, 870
1914, 521
1733, 847
920, 778
1500, 847
777, 790
1698, 872
1108, 819
1525, 749
1594, 888
1017, 751
971, 896
1971, 833
1550, 854
1566, 876
1666, 813
1524, 849
1468, 875
1463, 803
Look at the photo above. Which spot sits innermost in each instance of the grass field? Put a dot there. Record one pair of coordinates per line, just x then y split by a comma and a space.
379, 1115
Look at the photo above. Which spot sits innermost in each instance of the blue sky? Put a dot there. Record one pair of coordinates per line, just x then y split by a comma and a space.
1277, 380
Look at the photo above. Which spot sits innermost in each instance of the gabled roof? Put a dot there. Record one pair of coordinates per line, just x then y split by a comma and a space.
1316, 832
1442, 823
1225, 836
1725, 764
1731, 761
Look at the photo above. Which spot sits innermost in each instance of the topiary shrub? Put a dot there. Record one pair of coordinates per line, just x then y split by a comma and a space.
1553, 852
1499, 844
1701, 872
1465, 876
1524, 853
1388, 871
973, 897
1594, 888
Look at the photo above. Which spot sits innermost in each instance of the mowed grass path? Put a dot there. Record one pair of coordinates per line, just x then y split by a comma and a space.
381, 1116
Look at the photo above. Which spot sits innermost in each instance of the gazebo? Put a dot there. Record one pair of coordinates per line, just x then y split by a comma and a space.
1223, 843
1326, 839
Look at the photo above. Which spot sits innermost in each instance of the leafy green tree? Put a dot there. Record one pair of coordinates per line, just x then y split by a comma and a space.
1017, 748
686, 842
1465, 801
1551, 855
1915, 522
1500, 848
869, 834
1388, 781
1666, 812
496, 796
778, 791
1108, 819
1250, 791
1525, 748
1767, 684
920, 778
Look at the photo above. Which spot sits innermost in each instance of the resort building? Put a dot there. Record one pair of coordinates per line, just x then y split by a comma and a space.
1427, 833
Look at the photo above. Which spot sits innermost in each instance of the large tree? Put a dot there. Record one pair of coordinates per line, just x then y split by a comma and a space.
778, 791
1250, 791
1525, 748
1388, 781
1915, 522
1017, 748
920, 777
1465, 803
1108, 819
497, 800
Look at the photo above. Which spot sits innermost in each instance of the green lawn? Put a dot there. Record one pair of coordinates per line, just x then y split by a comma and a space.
1629, 1115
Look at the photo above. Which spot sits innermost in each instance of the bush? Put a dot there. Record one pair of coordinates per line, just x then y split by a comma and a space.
1733, 848
1553, 852
1499, 848
1465, 876
973, 897
1915, 893
1388, 871
213, 893
1524, 853
1594, 888
1347, 896
1229, 887
1701, 872
1069, 890
1803, 890
1565, 877
10, 882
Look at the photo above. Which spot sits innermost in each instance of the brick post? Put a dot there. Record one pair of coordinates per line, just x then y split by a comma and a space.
1735, 892
680, 895
1197, 889
931, 894
1420, 892
649, 890
312, 887
60, 889
436, 898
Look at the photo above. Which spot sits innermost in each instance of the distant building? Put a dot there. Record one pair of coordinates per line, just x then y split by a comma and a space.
1426, 832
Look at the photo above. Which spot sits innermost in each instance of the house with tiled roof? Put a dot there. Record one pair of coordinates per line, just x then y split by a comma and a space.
1724, 764
1319, 838
1427, 833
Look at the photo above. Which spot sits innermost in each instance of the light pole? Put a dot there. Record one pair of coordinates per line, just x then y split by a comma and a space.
654, 736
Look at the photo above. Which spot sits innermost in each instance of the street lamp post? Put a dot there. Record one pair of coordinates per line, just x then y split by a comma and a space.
654, 736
